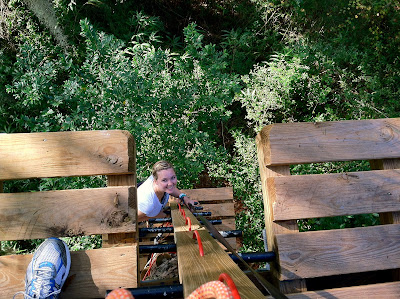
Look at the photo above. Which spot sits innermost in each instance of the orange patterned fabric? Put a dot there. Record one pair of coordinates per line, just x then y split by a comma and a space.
120, 294
212, 289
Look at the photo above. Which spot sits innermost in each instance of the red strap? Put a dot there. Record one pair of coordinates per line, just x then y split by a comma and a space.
231, 284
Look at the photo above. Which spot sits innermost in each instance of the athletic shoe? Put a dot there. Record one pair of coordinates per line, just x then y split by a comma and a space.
48, 270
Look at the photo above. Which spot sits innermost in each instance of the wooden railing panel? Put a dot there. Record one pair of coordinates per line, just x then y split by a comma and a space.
60, 213
326, 195
63, 154
343, 251
297, 143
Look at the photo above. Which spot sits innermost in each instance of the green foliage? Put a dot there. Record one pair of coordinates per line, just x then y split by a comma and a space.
5, 71
171, 103
268, 92
243, 174
125, 20
315, 83
48, 184
338, 222
330, 167
19, 247
83, 243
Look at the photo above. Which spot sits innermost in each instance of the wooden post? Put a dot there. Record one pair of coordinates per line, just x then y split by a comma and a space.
390, 217
110, 240
279, 227
124, 180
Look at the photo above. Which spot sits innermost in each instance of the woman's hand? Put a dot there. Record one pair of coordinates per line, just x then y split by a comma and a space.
187, 201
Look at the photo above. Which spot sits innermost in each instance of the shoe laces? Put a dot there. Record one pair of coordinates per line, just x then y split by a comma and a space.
42, 285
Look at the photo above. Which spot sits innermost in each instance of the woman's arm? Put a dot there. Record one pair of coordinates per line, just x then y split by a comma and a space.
143, 217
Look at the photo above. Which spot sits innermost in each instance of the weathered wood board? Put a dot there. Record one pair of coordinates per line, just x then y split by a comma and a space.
389, 290
218, 201
210, 194
342, 251
72, 212
63, 154
325, 195
273, 228
60, 213
219, 210
296, 143
124, 237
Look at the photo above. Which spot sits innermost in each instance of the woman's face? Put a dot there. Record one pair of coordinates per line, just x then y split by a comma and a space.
166, 181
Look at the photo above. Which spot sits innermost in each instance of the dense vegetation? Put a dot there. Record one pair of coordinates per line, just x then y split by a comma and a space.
194, 81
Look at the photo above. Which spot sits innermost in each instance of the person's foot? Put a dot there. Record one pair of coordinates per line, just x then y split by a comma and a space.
48, 270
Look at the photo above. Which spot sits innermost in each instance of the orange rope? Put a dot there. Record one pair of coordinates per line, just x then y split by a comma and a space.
216, 289
212, 289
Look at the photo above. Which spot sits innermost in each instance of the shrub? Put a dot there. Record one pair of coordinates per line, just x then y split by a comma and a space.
171, 103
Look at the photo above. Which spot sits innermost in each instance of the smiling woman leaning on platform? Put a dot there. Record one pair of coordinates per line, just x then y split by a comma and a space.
154, 193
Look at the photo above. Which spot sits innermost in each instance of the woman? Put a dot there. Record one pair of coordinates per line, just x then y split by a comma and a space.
154, 193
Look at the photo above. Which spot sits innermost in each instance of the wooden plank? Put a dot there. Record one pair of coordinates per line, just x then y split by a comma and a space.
296, 143
381, 290
195, 270
227, 224
274, 228
219, 210
122, 237
231, 241
325, 195
210, 194
92, 273
57, 154
333, 252
37, 215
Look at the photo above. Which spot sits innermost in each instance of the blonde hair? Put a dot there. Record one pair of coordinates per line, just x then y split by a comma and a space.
161, 165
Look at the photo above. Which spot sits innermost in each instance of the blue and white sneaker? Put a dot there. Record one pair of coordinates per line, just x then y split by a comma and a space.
48, 270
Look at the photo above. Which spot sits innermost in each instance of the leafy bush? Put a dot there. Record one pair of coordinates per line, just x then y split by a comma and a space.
5, 71
171, 103
242, 173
